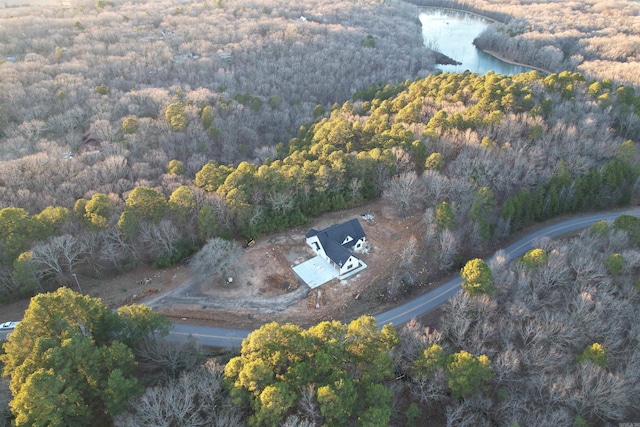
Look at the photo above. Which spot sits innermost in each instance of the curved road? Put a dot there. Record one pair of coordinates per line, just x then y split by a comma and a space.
232, 338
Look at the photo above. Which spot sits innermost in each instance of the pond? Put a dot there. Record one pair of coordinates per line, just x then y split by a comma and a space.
451, 33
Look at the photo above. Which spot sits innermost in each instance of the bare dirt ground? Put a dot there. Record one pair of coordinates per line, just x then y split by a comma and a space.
264, 287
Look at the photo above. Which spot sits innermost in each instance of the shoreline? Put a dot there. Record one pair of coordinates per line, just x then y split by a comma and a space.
508, 61
495, 21
487, 51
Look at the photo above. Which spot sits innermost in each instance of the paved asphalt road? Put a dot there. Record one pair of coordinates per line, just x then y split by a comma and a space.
232, 338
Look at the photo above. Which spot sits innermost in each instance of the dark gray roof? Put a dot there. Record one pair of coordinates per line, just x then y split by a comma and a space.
312, 232
331, 239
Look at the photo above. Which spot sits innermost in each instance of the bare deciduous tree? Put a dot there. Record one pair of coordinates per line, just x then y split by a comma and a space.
160, 239
430, 390
117, 250
448, 249
405, 192
599, 393
281, 202
308, 404
195, 399
58, 257
217, 256
166, 360
296, 421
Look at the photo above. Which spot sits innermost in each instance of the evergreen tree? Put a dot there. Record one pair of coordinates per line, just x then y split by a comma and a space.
68, 361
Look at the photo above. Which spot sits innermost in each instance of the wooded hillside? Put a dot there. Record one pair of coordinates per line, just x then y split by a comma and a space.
141, 132
480, 155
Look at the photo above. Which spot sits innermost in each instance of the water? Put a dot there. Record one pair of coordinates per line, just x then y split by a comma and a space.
452, 32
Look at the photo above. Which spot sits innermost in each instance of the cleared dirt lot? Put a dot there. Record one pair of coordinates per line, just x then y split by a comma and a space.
264, 287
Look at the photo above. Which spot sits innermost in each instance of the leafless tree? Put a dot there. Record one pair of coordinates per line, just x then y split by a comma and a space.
468, 412
296, 421
554, 273
405, 192
599, 393
58, 257
413, 339
431, 231
219, 205
380, 178
8, 287
448, 249
506, 365
160, 239
430, 390
217, 256
281, 201
355, 185
308, 404
409, 253
436, 187
117, 250
194, 399
165, 360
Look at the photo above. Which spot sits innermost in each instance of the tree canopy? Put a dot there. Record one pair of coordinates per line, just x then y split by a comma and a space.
467, 374
70, 362
477, 278
337, 370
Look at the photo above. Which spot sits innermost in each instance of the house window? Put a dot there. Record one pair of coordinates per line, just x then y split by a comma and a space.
358, 245
316, 245
349, 267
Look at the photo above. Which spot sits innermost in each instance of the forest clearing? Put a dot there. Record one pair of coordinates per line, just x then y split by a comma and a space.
266, 279
265, 288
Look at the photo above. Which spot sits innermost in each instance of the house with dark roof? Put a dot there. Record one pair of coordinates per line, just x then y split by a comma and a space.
338, 244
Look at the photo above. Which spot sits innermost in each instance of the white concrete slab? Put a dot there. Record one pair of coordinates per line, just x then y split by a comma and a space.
315, 272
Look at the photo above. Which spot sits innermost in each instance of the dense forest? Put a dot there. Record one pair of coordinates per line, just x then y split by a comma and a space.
139, 133
481, 156
101, 99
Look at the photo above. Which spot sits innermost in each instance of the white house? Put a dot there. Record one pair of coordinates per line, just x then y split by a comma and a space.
337, 245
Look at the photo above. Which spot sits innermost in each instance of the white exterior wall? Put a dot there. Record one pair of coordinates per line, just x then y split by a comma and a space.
353, 262
314, 243
360, 244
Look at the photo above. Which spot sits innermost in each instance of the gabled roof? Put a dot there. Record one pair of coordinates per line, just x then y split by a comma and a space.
332, 239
